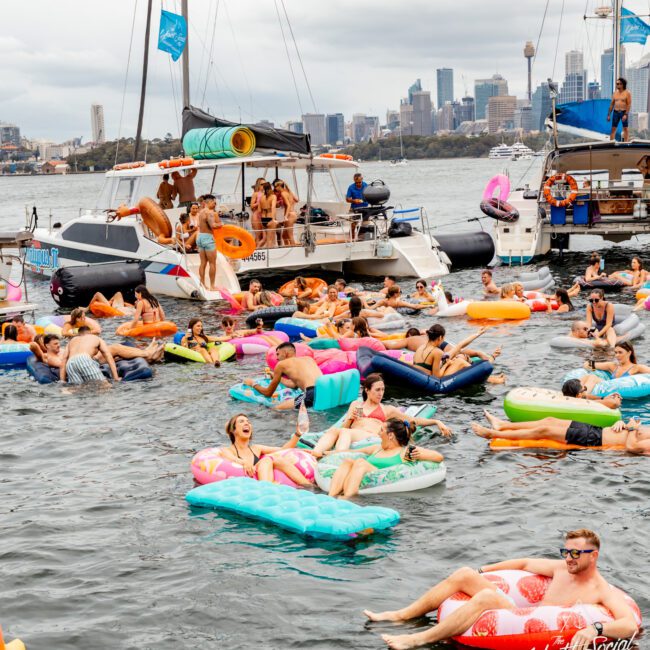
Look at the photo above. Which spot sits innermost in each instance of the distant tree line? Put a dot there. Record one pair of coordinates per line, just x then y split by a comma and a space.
102, 157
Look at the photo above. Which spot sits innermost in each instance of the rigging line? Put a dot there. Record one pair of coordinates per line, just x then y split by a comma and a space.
211, 56
203, 50
590, 49
126, 79
295, 84
539, 36
295, 44
174, 98
557, 42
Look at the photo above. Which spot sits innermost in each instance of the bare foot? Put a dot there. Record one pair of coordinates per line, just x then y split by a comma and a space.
383, 616
496, 379
484, 432
401, 642
492, 419
496, 353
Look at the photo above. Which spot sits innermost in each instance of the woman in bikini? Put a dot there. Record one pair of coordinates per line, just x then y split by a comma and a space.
147, 310
600, 315
356, 307
196, 339
256, 217
421, 293
365, 418
393, 450
638, 273
624, 366
593, 272
394, 299
286, 202
78, 318
258, 460
267, 208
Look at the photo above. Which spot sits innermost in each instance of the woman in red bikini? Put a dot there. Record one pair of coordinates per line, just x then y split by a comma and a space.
365, 418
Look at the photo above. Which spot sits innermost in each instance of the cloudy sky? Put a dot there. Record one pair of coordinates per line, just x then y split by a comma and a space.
58, 58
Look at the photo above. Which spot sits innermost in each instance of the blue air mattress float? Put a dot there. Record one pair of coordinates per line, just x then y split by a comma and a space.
398, 478
295, 327
127, 369
404, 374
270, 315
299, 511
629, 387
330, 391
14, 354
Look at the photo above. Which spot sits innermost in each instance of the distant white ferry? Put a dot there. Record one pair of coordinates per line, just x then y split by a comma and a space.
501, 151
518, 151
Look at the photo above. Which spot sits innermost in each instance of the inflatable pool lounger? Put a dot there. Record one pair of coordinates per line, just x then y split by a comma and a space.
127, 369
299, 511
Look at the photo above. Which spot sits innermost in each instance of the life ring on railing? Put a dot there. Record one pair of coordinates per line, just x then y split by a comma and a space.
246, 242
336, 156
560, 203
131, 165
175, 162
154, 217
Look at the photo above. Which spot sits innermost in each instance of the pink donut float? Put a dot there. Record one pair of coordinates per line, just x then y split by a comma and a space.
500, 181
232, 301
366, 342
646, 304
209, 466
258, 343
14, 294
529, 625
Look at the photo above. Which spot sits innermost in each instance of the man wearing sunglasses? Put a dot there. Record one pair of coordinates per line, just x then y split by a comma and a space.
575, 579
580, 330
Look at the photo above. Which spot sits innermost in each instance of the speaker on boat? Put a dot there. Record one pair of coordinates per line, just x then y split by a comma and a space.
74, 286
376, 193
467, 249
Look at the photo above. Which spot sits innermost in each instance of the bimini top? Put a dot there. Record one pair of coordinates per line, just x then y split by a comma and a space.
615, 157
316, 163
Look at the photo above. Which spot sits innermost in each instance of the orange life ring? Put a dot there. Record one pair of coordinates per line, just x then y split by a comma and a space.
175, 162
245, 239
560, 203
131, 165
316, 285
148, 330
336, 156
154, 217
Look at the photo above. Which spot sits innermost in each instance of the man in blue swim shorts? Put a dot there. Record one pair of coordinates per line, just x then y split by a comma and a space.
208, 221
619, 109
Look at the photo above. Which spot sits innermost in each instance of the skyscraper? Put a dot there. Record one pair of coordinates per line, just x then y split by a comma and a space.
314, 124
421, 101
574, 88
406, 118
444, 86
359, 128
573, 62
463, 112
9, 134
529, 53
542, 106
607, 71
335, 128
415, 87
501, 112
97, 123
637, 84
593, 90
496, 86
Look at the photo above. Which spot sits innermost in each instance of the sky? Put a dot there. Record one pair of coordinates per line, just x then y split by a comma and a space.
358, 57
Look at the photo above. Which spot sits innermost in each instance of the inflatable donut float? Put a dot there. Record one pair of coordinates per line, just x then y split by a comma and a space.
209, 466
223, 241
102, 310
315, 284
154, 217
147, 330
529, 624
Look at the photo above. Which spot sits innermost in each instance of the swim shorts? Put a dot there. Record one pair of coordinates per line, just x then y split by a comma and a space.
205, 241
82, 368
307, 397
617, 116
585, 435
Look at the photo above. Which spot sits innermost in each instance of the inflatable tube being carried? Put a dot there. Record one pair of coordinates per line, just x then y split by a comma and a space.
498, 309
270, 315
74, 286
219, 142
403, 374
406, 477
530, 404
467, 250
245, 242
128, 369
154, 217
530, 625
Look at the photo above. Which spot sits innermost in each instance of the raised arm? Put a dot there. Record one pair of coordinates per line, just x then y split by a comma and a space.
109, 359
457, 349
534, 565
270, 389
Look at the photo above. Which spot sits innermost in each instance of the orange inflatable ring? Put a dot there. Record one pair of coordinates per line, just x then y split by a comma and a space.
131, 165
102, 310
336, 156
23, 332
175, 162
148, 330
245, 239
316, 285
154, 217
560, 203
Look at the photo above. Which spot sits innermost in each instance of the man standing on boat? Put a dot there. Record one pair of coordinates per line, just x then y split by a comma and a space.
184, 186
208, 221
355, 198
619, 109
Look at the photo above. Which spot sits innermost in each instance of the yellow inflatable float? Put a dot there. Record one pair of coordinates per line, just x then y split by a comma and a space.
498, 309
16, 644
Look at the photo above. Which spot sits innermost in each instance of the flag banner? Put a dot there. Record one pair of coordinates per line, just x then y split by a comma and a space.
173, 34
633, 29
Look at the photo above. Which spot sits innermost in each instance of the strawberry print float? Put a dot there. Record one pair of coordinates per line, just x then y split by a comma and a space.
529, 624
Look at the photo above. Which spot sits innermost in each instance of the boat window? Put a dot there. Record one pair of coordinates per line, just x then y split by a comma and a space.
123, 238
124, 191
104, 198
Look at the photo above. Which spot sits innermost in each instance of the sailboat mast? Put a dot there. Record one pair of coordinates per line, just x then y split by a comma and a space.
617, 41
143, 90
186, 57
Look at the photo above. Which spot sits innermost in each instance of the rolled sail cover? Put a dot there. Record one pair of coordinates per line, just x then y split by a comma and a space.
266, 138
219, 142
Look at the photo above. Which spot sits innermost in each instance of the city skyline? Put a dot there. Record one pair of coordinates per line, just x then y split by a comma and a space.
47, 91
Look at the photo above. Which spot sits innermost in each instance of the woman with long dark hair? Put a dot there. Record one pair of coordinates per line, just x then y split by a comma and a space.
147, 309
624, 365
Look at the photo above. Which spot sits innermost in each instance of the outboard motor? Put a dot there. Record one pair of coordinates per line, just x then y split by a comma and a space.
73, 286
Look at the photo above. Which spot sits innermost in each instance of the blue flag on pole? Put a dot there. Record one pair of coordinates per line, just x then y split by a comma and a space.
173, 34
633, 29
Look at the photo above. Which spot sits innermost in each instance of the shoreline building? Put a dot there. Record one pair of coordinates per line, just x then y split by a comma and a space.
607, 71
444, 86
9, 134
335, 124
542, 106
574, 87
501, 113
97, 123
314, 125
421, 115
495, 86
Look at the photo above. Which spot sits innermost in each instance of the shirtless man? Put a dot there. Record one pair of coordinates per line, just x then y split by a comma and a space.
575, 579
166, 193
50, 353
184, 186
489, 288
26, 332
294, 372
250, 299
569, 432
389, 281
620, 105
580, 330
208, 221
78, 365
575, 388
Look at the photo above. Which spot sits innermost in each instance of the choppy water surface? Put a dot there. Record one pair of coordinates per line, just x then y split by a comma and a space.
99, 550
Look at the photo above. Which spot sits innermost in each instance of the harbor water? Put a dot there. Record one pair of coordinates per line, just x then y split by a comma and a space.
98, 548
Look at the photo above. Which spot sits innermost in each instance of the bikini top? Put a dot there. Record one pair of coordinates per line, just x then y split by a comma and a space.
256, 458
600, 322
377, 414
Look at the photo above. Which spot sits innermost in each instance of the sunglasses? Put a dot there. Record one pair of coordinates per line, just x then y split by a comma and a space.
593, 300
573, 552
